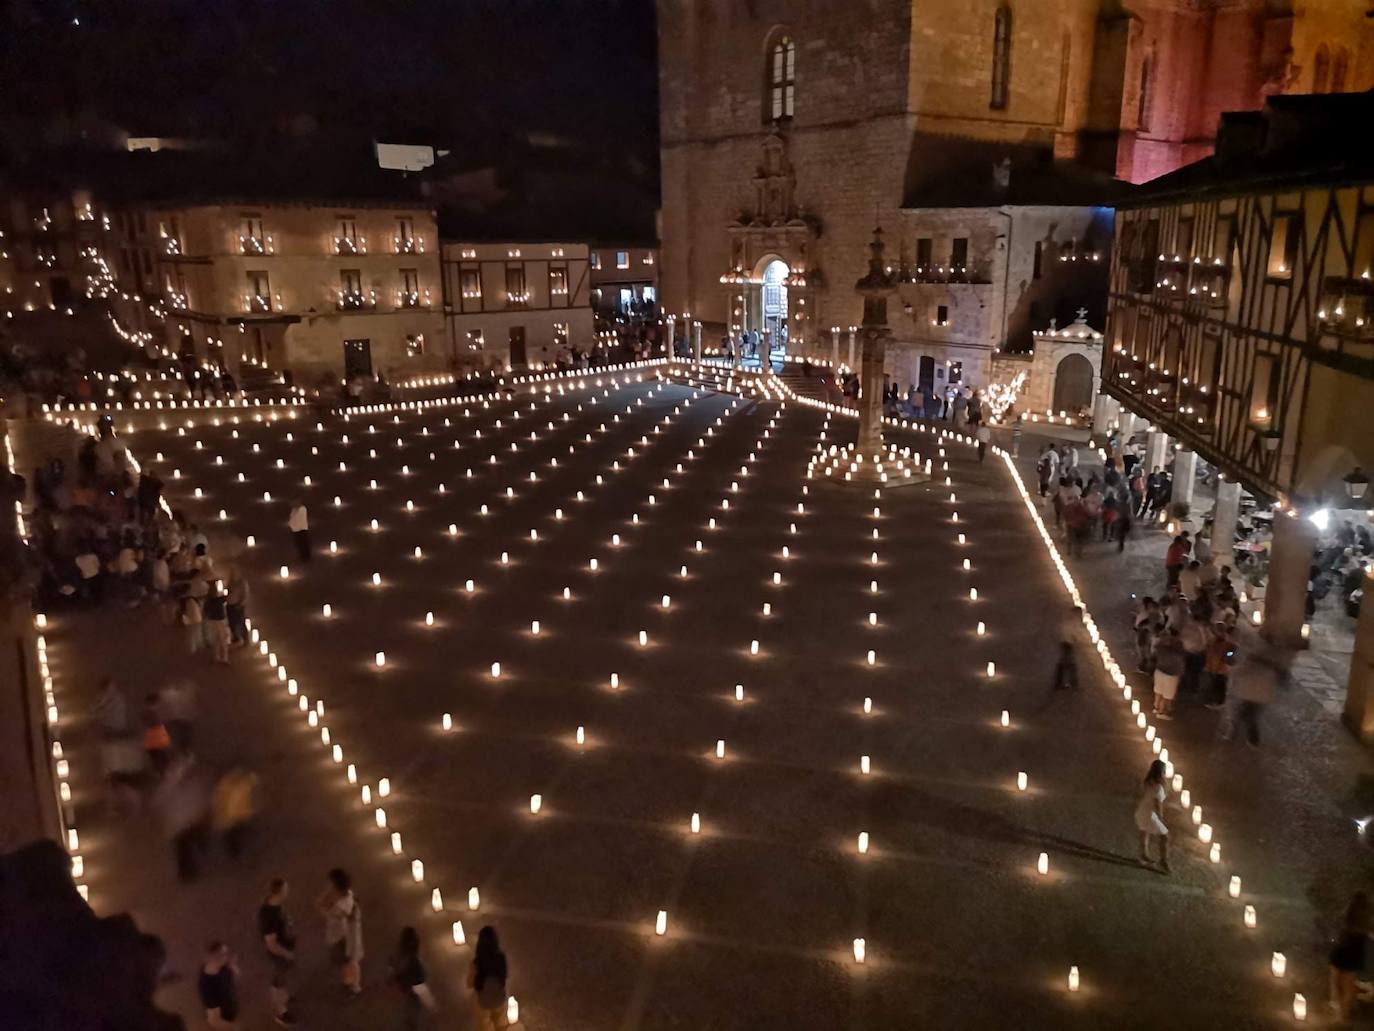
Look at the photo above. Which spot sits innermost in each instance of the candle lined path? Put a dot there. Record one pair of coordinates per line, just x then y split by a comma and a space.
958, 926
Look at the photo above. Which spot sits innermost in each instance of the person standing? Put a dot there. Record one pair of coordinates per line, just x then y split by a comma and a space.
1195, 637
409, 976
1149, 816
218, 986
1221, 653
487, 979
1175, 558
1049, 469
343, 929
984, 436
236, 606
216, 615
1168, 672
1148, 620
279, 942
298, 522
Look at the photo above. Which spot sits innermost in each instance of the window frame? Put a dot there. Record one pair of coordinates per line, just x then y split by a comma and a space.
1001, 59
780, 80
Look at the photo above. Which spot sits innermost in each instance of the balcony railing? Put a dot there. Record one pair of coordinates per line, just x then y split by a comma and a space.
408, 244
412, 298
356, 300
947, 274
254, 244
350, 245
261, 304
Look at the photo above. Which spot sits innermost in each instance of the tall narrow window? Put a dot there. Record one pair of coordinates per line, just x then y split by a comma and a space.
1283, 246
1001, 58
515, 285
1321, 70
924, 250
1036, 266
958, 255
1340, 67
782, 79
1145, 101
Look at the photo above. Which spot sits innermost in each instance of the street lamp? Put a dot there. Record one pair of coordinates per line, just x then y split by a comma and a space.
1356, 483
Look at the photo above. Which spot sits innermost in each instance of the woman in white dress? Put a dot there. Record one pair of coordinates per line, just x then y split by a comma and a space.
1149, 816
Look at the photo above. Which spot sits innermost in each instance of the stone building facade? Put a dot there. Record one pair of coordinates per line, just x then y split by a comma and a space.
516, 305
789, 128
321, 289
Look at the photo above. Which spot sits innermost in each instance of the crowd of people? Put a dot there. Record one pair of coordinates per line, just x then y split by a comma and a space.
340, 914
102, 535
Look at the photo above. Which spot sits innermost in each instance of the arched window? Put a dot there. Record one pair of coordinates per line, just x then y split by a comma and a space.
1340, 66
1321, 70
782, 80
1001, 58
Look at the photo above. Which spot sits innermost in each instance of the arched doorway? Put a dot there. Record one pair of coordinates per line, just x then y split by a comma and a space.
772, 316
1073, 384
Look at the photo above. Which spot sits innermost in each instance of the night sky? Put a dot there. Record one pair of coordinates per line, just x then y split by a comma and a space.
461, 73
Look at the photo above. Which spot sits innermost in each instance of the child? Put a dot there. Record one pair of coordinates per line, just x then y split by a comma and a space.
1149, 816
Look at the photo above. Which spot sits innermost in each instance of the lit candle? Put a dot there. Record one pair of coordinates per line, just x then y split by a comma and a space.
661, 923
863, 842
1043, 863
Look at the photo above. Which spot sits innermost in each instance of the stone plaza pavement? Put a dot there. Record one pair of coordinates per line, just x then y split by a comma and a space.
1300, 795
803, 683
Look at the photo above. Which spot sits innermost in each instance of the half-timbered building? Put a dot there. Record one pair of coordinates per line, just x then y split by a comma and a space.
1241, 324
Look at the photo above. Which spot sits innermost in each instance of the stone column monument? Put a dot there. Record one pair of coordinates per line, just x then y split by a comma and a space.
876, 287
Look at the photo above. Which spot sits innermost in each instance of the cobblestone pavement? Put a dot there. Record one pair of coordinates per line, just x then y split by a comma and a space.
866, 706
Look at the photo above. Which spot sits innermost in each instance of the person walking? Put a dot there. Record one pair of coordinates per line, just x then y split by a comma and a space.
487, 979
279, 942
112, 710
1254, 685
984, 435
343, 929
1347, 956
409, 976
1149, 816
233, 807
298, 522
1168, 654
157, 741
218, 986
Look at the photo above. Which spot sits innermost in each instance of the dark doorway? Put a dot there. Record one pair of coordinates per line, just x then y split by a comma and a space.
925, 375
1073, 384
517, 347
357, 358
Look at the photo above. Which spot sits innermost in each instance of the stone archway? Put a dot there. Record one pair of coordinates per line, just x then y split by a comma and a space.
770, 311
1073, 384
